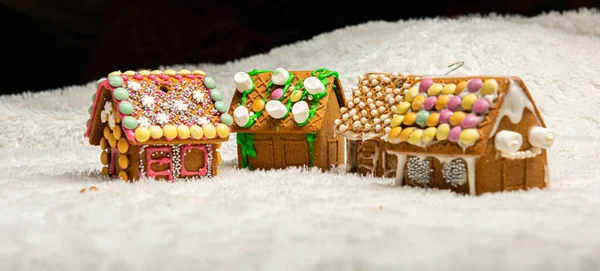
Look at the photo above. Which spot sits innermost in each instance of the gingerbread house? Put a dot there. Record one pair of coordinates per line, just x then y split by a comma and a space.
162, 125
285, 118
469, 134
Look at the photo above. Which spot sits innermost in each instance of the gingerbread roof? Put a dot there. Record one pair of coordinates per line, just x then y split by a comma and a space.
283, 101
160, 107
459, 113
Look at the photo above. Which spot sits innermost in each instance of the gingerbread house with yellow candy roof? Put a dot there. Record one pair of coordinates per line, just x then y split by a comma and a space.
469, 134
162, 125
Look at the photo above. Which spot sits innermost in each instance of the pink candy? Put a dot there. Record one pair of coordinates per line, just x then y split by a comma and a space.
425, 84
164, 77
277, 94
454, 103
454, 133
445, 116
470, 121
178, 76
430, 102
152, 76
474, 85
125, 78
481, 105
138, 77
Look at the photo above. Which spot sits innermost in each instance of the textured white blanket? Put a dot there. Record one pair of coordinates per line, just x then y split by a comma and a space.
302, 219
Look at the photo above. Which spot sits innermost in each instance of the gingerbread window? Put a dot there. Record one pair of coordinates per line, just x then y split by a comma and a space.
194, 160
419, 170
455, 173
159, 163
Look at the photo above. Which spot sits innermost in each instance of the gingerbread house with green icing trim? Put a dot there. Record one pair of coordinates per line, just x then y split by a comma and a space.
285, 118
469, 134
162, 125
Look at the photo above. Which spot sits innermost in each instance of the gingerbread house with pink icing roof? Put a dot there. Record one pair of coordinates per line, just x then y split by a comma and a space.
469, 134
162, 125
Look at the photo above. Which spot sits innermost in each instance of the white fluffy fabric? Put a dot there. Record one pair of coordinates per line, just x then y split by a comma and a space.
299, 219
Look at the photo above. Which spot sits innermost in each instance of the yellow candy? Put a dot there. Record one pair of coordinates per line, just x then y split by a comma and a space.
218, 157
409, 118
429, 134
411, 94
183, 131
402, 108
117, 133
104, 171
112, 142
129, 73
457, 117
435, 89
107, 132
123, 176
449, 89
468, 101
185, 72
433, 119
142, 134
157, 72
397, 120
123, 145
117, 118
460, 87
200, 72
442, 131
222, 130
258, 105
170, 72
415, 137
114, 73
441, 102
155, 131
104, 158
469, 136
170, 131
103, 143
489, 86
394, 133
123, 161
296, 95
196, 132
145, 72
209, 131
406, 133
417, 103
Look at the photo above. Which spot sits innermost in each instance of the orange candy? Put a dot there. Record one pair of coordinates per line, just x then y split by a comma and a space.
457, 117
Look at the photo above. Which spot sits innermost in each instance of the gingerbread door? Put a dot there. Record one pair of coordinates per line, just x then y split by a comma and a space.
514, 174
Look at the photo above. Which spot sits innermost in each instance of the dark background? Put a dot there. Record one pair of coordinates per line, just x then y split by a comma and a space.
48, 44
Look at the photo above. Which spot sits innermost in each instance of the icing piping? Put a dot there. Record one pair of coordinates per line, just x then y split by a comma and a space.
103, 84
161, 161
531, 153
202, 171
246, 143
400, 168
471, 174
310, 138
513, 106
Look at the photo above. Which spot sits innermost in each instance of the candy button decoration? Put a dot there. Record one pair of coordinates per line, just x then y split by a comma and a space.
209, 82
442, 101
196, 132
296, 95
468, 137
409, 118
99, 81
460, 87
397, 120
123, 145
415, 137
90, 109
490, 86
123, 161
470, 121
474, 85
227, 119
442, 131
258, 105
422, 117
435, 89
457, 117
313, 85
170, 131
220, 106
429, 134
403, 107
405, 134
430, 102
418, 102
209, 131
94, 97
199, 72
183, 131
155, 131
454, 134
185, 72
445, 116
142, 134
222, 130
130, 122
277, 93
433, 119
425, 84
145, 72
449, 89
454, 103
115, 80
216, 95
170, 72
411, 94
468, 101
481, 106
394, 133
126, 108
121, 94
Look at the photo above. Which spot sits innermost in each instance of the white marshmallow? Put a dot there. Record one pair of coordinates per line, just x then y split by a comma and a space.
361, 105
276, 109
345, 117
365, 89
378, 88
377, 128
376, 120
357, 93
394, 75
356, 100
541, 137
343, 128
240, 114
313, 85
508, 141
372, 76
387, 129
242, 81
355, 117
280, 76
397, 91
343, 110
374, 113
300, 112
372, 106
367, 127
374, 82
363, 112
350, 104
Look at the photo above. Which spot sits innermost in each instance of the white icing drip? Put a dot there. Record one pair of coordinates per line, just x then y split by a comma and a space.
400, 169
471, 174
513, 106
375, 158
547, 176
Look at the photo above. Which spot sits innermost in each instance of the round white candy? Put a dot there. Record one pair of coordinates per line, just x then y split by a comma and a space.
361, 105
343, 110
300, 112
345, 117
508, 141
313, 85
343, 128
350, 104
242, 81
336, 121
240, 114
541, 137
356, 100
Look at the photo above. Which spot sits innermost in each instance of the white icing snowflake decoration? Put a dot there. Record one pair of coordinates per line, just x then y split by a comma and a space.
162, 118
202, 120
148, 101
143, 121
134, 86
180, 106
107, 115
198, 95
